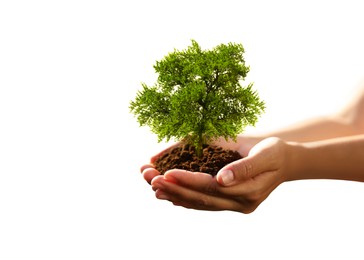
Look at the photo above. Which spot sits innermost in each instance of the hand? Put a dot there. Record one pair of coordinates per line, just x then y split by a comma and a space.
240, 186
243, 145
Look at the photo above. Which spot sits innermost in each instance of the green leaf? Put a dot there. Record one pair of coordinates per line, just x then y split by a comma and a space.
198, 95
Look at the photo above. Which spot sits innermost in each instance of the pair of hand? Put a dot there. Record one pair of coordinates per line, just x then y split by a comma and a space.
240, 186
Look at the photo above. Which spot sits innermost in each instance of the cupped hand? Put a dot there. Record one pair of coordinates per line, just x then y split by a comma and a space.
243, 144
240, 186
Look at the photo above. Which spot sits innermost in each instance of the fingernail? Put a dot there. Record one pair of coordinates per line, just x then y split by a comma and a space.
162, 196
170, 178
227, 176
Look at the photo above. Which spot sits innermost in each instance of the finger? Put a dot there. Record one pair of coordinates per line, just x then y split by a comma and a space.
206, 184
240, 170
149, 174
241, 144
202, 182
257, 162
255, 187
146, 166
253, 192
155, 157
192, 199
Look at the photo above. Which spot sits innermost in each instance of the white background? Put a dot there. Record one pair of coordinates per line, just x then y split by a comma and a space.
70, 151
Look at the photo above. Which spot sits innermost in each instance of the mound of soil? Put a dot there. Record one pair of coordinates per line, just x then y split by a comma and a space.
185, 157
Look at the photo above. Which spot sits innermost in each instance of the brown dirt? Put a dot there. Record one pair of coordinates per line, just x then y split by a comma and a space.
184, 157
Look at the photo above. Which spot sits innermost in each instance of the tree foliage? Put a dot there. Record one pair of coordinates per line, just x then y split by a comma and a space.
198, 96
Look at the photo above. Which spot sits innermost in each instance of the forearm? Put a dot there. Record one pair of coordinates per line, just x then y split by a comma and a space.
316, 129
339, 158
345, 122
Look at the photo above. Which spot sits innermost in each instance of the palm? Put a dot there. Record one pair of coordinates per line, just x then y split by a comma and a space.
243, 145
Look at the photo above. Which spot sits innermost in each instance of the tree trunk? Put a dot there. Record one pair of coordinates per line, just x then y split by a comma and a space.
200, 143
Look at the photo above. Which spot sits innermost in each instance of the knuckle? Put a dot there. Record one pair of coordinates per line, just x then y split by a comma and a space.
248, 169
248, 210
243, 169
247, 206
249, 201
253, 196
203, 202
211, 188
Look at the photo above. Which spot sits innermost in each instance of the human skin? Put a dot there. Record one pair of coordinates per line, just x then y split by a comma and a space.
323, 148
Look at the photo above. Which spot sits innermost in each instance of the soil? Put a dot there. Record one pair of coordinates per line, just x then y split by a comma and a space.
184, 157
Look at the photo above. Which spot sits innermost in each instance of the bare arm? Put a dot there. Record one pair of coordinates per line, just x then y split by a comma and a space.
339, 158
349, 121
318, 129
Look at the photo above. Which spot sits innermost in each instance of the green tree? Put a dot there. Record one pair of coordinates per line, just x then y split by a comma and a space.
198, 96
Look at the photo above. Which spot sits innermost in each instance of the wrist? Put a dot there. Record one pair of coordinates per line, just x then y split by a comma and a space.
297, 161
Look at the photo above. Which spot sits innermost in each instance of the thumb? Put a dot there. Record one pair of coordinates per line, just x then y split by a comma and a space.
262, 158
234, 172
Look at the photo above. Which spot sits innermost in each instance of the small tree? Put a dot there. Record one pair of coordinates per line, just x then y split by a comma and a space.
198, 96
